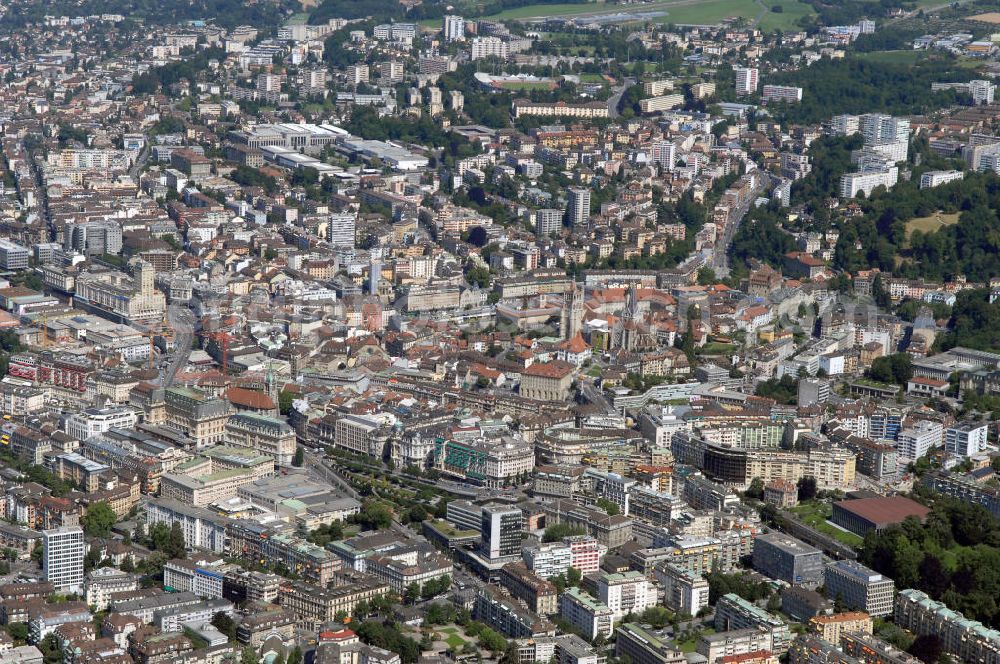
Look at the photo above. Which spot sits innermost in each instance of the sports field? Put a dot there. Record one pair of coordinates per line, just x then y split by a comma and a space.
527, 86
698, 12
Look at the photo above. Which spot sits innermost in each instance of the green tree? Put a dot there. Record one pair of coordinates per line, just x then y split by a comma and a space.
573, 577
510, 654
756, 489
807, 488
896, 368
18, 631
927, 648
99, 520
177, 548
559, 530
374, 514
222, 622
51, 649
608, 506
285, 399
492, 641
249, 656
295, 656
299, 457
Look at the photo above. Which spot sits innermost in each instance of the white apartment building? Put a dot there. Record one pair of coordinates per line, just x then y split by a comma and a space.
966, 438
625, 593
196, 576
355, 433
877, 128
783, 93
578, 207
684, 591
859, 588
485, 47
104, 581
851, 184
747, 79
896, 150
845, 125
982, 92
937, 178
664, 153
548, 559
95, 421
454, 28
660, 103
587, 614
548, 220
62, 558
13, 256
914, 442
202, 528
340, 230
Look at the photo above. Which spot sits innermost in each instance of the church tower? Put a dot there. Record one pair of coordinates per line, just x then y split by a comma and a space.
571, 314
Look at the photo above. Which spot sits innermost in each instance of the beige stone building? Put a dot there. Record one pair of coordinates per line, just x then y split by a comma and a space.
829, 628
548, 381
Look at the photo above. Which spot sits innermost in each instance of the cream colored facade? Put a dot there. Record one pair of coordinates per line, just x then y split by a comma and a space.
831, 627
546, 383
833, 469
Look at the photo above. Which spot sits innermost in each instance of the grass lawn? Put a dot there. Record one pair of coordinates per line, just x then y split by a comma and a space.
678, 11
543, 11
931, 223
453, 640
893, 57
527, 85
815, 514
686, 646
710, 12
300, 18
691, 644
701, 12
788, 18
590, 77
714, 348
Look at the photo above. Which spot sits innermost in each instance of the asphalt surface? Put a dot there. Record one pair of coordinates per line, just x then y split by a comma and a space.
181, 320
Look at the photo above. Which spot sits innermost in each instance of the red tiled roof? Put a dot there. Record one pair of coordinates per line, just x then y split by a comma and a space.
240, 396
883, 511
549, 370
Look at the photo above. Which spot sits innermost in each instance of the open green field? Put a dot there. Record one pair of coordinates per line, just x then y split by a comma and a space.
893, 57
930, 223
544, 11
815, 514
710, 12
788, 18
700, 12
298, 19
527, 85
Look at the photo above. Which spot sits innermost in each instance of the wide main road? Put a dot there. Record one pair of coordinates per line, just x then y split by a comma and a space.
181, 320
